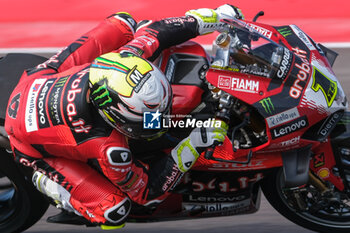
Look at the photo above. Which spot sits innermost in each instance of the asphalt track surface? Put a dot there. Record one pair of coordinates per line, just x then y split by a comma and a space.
266, 220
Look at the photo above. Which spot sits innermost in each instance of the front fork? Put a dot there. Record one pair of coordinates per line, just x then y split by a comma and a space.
326, 166
324, 170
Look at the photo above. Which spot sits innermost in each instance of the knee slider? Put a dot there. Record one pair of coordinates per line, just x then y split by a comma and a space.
117, 214
119, 156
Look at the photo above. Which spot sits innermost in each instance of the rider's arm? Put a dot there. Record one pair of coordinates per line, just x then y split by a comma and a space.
153, 37
109, 35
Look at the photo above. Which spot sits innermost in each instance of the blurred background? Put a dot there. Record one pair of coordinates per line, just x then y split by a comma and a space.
52, 24
45, 26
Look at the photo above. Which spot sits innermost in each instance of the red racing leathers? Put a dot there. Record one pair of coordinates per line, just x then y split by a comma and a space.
54, 129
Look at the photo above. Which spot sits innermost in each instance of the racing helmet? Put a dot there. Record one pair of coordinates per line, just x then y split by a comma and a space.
123, 87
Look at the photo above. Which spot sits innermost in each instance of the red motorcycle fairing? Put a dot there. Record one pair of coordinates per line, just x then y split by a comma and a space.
184, 65
322, 162
185, 99
271, 103
229, 188
207, 194
189, 47
281, 99
301, 103
259, 161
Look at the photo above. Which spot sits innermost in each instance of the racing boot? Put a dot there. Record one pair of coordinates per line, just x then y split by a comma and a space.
79, 189
56, 192
60, 197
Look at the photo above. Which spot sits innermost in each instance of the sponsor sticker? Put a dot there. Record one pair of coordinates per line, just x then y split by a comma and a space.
74, 89
302, 36
302, 77
283, 117
289, 143
245, 85
261, 30
290, 127
217, 207
319, 160
41, 104
329, 125
210, 199
324, 173
31, 122
224, 82
172, 179
54, 101
285, 32
268, 105
285, 64
238, 84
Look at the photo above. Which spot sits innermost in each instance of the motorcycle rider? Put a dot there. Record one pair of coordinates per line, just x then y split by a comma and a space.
62, 115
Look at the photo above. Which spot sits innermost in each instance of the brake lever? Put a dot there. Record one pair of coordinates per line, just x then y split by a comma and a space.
210, 150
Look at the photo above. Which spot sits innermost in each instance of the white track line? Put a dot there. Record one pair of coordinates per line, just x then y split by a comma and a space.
337, 44
31, 50
207, 47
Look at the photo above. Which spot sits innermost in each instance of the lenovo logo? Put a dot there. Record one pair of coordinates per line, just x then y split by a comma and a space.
289, 128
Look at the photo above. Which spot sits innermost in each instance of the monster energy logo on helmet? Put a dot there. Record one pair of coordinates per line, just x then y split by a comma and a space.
101, 95
267, 105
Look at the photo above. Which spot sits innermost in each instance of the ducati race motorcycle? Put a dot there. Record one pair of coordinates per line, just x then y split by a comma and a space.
288, 137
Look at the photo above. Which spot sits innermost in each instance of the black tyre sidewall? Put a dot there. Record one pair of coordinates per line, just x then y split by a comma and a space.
31, 205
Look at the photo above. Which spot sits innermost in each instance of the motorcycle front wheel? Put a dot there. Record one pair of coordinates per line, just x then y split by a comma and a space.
305, 206
21, 205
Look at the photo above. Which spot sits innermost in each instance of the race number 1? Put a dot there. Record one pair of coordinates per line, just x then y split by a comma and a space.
326, 85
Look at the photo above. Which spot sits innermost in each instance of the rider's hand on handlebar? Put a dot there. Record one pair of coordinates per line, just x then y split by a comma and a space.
209, 19
201, 138
189, 149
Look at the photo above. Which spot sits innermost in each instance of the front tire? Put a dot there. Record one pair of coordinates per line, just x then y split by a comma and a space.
320, 221
21, 205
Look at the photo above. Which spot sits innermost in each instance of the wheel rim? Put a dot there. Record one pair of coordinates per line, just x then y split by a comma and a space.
329, 216
8, 199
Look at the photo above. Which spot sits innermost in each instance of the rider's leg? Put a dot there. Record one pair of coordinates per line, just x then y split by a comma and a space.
88, 192
145, 184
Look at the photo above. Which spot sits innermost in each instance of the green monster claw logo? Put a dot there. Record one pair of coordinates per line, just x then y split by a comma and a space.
267, 105
285, 32
102, 94
345, 120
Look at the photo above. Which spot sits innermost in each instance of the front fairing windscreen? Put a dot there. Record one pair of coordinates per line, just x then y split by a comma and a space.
255, 54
